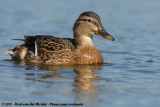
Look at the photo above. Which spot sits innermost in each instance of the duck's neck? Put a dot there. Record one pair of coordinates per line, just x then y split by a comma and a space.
86, 52
83, 41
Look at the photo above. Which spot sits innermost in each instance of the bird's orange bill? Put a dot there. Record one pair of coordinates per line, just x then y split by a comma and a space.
104, 34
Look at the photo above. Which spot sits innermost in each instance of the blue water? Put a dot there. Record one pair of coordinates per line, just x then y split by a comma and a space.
129, 77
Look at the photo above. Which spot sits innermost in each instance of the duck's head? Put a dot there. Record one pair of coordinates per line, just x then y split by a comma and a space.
89, 24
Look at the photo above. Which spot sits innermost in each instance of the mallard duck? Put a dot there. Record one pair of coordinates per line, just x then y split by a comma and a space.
53, 50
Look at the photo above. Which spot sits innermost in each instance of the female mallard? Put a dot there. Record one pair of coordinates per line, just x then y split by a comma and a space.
53, 50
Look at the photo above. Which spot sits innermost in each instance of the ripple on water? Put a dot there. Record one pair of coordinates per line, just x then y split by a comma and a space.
143, 71
150, 61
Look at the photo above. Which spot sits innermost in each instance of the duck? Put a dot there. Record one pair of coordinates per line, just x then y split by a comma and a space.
48, 49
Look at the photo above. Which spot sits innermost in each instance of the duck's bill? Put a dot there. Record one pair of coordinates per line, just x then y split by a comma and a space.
105, 35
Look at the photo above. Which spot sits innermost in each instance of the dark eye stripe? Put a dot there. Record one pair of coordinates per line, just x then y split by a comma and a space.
89, 20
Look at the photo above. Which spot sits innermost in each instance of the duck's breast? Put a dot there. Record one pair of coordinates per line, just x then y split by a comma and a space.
89, 55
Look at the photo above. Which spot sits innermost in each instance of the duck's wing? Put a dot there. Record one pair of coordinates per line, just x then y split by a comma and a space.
50, 48
46, 47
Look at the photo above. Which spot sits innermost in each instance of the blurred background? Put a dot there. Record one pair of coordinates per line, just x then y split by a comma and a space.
130, 73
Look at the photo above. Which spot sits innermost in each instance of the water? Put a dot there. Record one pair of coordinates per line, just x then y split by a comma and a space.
130, 75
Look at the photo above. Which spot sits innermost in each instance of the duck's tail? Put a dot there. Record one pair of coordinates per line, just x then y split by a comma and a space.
9, 51
18, 53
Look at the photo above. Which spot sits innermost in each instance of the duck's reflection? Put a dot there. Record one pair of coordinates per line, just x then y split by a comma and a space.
85, 84
85, 80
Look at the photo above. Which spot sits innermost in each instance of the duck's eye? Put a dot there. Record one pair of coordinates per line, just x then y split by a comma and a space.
89, 20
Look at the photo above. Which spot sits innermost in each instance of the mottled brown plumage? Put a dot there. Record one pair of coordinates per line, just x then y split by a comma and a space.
53, 50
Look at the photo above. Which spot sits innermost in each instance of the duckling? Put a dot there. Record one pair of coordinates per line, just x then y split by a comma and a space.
48, 49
